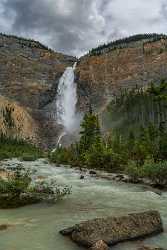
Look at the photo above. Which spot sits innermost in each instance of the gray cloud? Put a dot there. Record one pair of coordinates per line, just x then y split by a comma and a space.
75, 26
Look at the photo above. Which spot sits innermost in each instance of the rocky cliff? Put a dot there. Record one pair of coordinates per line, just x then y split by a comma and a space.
29, 75
102, 74
30, 72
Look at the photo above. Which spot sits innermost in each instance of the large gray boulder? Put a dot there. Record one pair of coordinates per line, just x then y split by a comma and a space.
113, 230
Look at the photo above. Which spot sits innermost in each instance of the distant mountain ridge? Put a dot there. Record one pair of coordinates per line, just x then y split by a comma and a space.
124, 42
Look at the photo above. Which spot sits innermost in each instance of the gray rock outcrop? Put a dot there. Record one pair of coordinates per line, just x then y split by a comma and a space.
113, 230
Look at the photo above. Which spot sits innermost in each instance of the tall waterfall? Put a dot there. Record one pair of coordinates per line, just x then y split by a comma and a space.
66, 102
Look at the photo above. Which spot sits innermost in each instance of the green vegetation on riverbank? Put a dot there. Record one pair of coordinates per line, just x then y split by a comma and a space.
19, 189
140, 152
10, 148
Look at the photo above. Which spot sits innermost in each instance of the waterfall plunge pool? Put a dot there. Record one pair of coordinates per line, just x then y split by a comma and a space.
36, 227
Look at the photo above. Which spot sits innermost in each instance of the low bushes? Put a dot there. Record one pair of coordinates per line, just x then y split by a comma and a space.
156, 171
134, 171
19, 189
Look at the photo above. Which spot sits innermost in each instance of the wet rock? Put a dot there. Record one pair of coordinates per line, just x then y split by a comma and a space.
153, 190
92, 172
4, 227
159, 186
67, 231
9, 200
82, 177
100, 245
150, 248
113, 230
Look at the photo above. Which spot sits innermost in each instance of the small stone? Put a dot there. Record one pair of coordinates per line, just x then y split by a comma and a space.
100, 245
92, 172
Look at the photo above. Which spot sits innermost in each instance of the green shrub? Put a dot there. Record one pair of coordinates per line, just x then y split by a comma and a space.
157, 172
61, 156
19, 189
100, 157
134, 171
48, 190
17, 182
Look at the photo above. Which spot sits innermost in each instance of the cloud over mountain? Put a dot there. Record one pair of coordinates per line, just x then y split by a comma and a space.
75, 26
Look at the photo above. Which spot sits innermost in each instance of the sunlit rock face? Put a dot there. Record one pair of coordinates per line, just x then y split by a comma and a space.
138, 63
16, 121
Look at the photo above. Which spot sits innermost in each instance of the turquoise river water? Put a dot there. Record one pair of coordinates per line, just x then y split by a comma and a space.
36, 227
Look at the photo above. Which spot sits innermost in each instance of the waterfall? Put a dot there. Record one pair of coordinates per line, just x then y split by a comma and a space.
66, 102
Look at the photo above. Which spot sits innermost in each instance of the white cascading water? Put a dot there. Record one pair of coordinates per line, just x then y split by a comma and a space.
66, 102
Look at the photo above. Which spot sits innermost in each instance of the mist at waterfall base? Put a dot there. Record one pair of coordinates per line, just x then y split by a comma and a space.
66, 102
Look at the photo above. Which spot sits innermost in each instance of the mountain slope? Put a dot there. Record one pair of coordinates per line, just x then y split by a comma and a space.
138, 60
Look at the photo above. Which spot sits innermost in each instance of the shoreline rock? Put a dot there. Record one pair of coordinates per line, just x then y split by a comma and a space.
113, 230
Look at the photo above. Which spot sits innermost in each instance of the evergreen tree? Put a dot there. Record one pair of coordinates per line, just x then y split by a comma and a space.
90, 131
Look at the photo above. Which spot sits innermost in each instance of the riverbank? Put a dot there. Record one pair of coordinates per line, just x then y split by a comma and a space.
146, 183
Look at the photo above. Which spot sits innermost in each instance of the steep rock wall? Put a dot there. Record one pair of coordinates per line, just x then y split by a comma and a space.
16, 121
29, 75
100, 77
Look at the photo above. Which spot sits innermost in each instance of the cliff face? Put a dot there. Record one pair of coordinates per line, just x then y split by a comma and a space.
16, 121
100, 76
30, 72
29, 75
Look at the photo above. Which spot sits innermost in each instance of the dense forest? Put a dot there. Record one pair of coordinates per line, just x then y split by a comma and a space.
131, 109
124, 42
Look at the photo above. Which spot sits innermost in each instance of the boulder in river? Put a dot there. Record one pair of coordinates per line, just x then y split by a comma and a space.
113, 230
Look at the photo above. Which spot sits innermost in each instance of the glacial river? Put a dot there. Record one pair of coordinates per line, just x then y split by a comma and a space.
36, 227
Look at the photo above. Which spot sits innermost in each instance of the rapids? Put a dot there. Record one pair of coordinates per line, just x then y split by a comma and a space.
36, 227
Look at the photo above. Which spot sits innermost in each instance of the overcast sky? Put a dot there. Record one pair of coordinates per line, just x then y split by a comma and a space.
75, 26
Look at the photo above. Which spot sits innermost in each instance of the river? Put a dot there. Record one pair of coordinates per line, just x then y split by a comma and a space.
36, 227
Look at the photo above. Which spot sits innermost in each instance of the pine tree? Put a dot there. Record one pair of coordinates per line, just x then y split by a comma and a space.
90, 131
